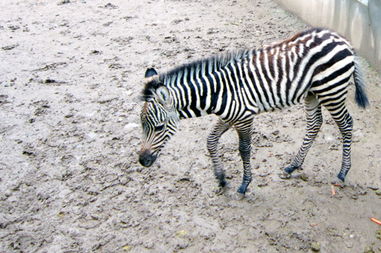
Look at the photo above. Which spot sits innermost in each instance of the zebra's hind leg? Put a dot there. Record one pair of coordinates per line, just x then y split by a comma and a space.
219, 129
244, 133
345, 123
314, 122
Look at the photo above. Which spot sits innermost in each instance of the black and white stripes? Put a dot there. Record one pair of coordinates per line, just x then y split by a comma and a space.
314, 66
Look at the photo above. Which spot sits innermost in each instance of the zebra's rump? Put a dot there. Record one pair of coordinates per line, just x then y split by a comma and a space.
317, 60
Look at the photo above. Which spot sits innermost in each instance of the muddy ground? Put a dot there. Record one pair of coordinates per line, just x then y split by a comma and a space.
71, 72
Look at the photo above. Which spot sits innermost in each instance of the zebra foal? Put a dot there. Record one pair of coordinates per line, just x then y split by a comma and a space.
314, 66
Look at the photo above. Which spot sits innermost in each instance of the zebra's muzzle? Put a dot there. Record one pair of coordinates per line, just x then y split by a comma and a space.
146, 158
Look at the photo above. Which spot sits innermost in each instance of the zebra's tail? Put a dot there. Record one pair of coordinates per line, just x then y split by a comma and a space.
360, 94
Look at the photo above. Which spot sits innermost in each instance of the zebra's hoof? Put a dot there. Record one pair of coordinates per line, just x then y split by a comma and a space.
338, 181
289, 169
237, 196
341, 177
220, 190
284, 175
221, 180
242, 189
222, 183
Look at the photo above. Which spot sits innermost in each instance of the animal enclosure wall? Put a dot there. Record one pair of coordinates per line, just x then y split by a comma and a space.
359, 21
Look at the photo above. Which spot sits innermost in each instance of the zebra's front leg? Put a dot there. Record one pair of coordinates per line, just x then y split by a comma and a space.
244, 134
219, 129
314, 122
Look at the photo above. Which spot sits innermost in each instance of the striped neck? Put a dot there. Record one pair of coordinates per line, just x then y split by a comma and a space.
197, 87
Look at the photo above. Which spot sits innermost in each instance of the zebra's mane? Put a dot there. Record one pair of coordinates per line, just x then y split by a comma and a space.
149, 89
217, 61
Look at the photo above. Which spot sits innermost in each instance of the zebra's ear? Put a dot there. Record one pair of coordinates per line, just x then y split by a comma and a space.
150, 72
163, 96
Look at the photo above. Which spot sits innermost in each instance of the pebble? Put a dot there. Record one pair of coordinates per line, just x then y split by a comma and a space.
374, 188
378, 234
276, 132
262, 184
284, 175
148, 244
64, 2
304, 177
10, 47
183, 245
95, 52
110, 6
127, 247
315, 247
369, 250
130, 126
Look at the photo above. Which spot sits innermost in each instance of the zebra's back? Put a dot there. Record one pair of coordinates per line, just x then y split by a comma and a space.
280, 75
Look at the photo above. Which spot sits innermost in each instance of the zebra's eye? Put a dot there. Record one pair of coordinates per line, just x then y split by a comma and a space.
159, 128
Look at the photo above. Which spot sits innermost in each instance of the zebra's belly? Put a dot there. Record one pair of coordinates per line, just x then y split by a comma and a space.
270, 107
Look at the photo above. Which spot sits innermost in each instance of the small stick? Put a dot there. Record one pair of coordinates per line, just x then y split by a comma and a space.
376, 221
333, 191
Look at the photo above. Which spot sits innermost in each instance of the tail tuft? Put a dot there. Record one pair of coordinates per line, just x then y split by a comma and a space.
360, 94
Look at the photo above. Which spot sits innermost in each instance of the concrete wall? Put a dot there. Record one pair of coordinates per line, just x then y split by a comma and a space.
357, 20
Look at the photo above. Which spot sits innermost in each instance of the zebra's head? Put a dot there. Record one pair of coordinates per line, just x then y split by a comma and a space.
159, 118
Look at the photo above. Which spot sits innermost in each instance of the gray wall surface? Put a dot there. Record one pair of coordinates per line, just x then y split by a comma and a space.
358, 21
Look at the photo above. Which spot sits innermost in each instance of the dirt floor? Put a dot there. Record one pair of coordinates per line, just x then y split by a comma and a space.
71, 72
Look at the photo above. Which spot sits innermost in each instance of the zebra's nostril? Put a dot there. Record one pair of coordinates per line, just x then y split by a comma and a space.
146, 159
